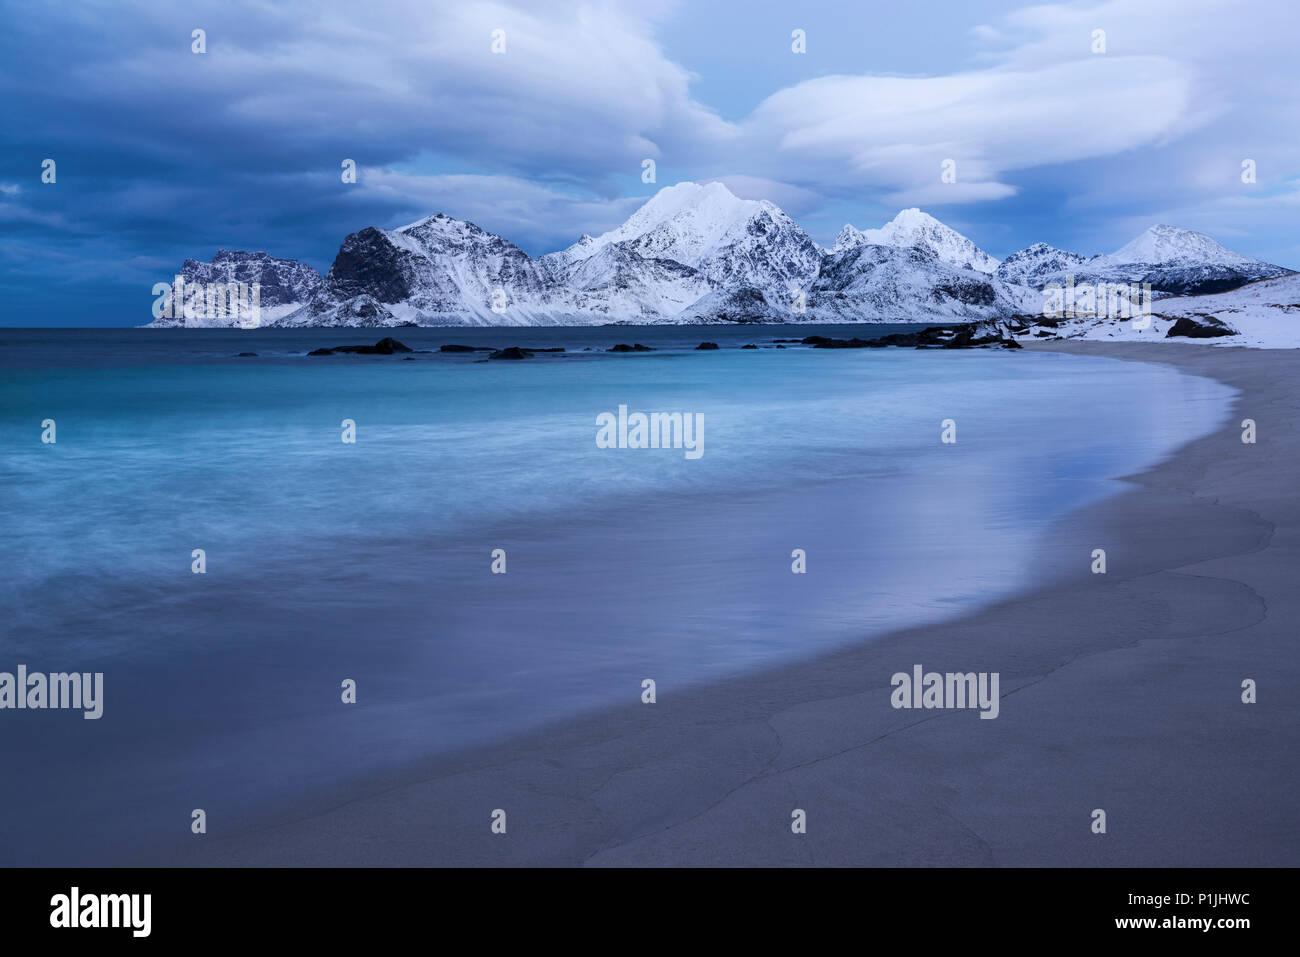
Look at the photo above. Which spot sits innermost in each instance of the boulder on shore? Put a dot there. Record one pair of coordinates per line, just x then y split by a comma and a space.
1190, 328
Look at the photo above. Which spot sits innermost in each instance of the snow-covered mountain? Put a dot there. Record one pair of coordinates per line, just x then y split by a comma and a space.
1180, 261
889, 283
1174, 261
1038, 264
698, 253
284, 286
688, 242
616, 284
727, 241
1171, 246
438, 271
913, 228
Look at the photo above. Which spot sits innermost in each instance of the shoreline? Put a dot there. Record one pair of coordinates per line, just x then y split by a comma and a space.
1119, 692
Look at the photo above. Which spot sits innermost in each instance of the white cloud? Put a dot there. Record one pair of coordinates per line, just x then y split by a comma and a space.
897, 132
795, 200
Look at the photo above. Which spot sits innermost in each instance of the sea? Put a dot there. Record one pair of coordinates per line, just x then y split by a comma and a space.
473, 565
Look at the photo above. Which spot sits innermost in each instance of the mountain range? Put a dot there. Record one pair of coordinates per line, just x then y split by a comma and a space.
696, 253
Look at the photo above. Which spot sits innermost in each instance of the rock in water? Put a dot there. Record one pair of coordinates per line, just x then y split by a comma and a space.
384, 347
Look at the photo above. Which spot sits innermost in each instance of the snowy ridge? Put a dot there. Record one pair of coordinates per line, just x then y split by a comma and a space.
1173, 261
284, 286
698, 253
1037, 264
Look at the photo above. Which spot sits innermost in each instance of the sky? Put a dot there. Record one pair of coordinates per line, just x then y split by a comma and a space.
1054, 132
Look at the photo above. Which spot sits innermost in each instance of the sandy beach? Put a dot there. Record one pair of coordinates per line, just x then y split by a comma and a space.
1120, 692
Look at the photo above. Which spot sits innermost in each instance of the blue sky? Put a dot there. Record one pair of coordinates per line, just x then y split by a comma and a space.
164, 154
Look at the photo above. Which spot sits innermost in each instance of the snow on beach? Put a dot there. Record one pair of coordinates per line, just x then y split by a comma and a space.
1263, 315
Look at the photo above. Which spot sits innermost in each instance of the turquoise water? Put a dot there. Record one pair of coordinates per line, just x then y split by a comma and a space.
371, 561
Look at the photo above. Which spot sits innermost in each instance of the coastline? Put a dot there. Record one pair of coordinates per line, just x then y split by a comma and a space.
1119, 692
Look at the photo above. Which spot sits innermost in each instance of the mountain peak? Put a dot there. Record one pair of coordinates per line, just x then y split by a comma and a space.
1036, 264
714, 198
687, 222
436, 217
915, 227
849, 237
1171, 244
913, 216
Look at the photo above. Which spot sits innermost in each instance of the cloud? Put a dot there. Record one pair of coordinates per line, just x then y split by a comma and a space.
898, 132
531, 214
794, 200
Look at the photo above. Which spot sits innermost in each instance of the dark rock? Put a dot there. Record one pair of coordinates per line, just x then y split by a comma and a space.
384, 347
750, 346
321, 352
932, 337
456, 348
1187, 327
624, 347
1011, 344
706, 346
510, 352
854, 343
250, 354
